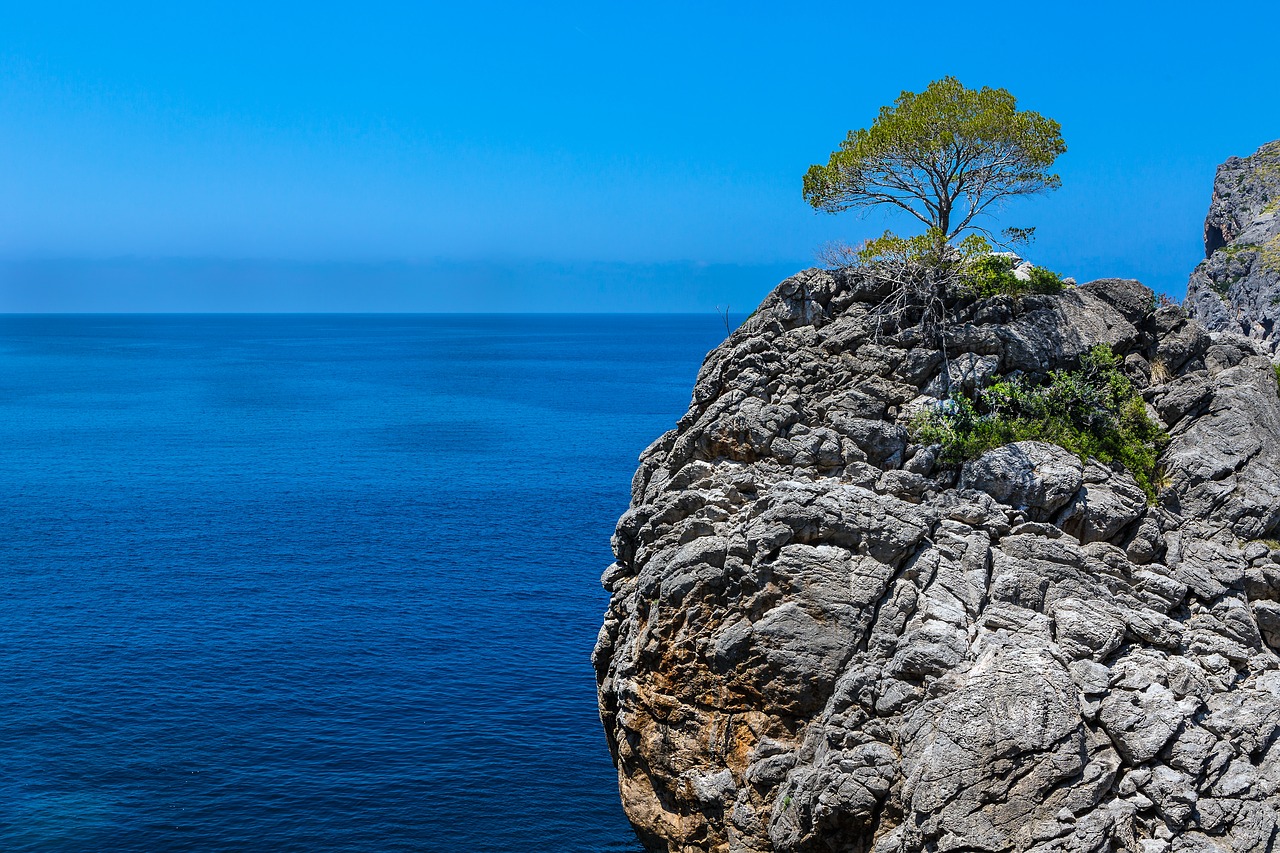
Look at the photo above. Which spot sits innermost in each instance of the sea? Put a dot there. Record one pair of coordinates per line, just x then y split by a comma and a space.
317, 582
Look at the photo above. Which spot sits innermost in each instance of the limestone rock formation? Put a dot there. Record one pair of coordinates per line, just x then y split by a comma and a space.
1237, 286
821, 639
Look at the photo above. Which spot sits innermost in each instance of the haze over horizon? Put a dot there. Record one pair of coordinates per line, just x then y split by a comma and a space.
569, 157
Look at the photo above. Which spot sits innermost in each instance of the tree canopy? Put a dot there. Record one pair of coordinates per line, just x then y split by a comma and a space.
944, 155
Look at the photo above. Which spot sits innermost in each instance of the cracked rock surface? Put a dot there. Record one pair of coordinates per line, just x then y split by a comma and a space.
820, 639
1237, 287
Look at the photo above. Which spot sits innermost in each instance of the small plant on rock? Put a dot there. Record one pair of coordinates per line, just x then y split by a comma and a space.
922, 276
1045, 281
1092, 411
993, 274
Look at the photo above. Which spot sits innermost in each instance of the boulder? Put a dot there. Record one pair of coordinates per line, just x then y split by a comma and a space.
1032, 476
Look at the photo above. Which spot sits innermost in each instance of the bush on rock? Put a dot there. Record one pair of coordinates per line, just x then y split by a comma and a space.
1092, 411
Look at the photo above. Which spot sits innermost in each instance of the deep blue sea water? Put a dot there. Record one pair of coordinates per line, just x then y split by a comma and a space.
316, 583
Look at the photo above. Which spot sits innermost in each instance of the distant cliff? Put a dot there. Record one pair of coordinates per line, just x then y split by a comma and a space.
1237, 287
821, 638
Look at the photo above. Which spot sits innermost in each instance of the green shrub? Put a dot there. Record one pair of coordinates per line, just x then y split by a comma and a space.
992, 275
1276, 368
1093, 411
1045, 281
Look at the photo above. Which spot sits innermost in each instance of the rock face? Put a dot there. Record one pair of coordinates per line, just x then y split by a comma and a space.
819, 639
1237, 287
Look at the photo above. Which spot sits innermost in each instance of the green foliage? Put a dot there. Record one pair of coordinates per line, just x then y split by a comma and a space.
1045, 281
973, 246
1093, 411
1266, 166
923, 250
1276, 369
1267, 254
992, 275
944, 155
1019, 236
966, 268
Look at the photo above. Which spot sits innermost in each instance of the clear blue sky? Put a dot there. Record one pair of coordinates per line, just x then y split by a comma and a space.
590, 156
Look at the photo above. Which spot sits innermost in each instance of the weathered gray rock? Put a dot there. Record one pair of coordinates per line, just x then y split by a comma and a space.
1224, 459
822, 638
1107, 503
1236, 287
1052, 332
1032, 476
1131, 298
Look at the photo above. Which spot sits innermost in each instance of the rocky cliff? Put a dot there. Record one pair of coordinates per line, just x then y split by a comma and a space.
1237, 287
821, 639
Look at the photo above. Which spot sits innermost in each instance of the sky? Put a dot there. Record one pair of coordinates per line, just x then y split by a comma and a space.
489, 156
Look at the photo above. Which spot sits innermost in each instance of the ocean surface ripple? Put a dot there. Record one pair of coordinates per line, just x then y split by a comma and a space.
315, 582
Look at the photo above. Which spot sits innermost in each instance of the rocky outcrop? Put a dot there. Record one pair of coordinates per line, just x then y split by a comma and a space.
1237, 287
821, 639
